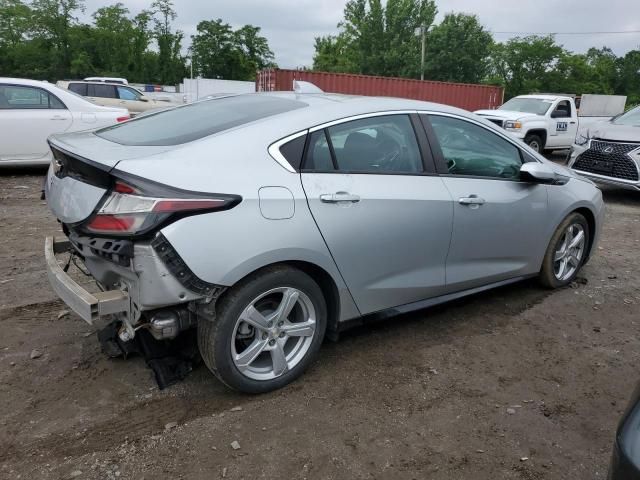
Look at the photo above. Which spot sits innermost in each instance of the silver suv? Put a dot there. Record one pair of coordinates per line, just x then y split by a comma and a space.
269, 221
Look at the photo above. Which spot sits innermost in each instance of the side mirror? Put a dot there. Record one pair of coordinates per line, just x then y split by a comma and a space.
144, 99
559, 114
536, 172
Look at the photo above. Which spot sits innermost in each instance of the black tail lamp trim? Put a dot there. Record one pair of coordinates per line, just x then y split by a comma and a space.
81, 169
180, 270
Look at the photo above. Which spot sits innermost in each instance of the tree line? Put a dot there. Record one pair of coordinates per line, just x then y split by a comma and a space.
377, 39
44, 39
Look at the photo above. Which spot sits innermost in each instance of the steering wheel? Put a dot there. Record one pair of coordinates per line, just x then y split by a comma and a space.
508, 171
390, 158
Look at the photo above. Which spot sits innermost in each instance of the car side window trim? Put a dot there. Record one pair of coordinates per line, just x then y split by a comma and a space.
438, 156
428, 161
334, 160
441, 164
276, 154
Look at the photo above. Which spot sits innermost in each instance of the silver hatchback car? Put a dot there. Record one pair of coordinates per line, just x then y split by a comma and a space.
269, 221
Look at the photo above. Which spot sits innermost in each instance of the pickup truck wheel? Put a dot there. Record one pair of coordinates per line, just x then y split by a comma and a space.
566, 252
535, 142
267, 330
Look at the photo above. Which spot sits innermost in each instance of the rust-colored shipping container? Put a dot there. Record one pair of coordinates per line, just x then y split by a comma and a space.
462, 95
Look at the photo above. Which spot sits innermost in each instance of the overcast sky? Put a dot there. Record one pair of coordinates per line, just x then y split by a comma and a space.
291, 25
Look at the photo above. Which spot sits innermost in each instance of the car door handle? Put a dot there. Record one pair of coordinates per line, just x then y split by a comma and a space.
471, 200
58, 117
572, 123
339, 197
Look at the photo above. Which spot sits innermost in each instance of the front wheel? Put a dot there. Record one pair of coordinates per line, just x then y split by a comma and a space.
267, 330
535, 142
566, 253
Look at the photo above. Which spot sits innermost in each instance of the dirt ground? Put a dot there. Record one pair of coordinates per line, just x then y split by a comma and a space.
516, 383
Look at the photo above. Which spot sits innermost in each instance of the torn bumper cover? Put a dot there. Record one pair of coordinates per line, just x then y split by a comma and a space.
89, 306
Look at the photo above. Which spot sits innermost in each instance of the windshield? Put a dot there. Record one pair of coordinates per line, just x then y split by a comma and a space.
632, 117
527, 105
197, 120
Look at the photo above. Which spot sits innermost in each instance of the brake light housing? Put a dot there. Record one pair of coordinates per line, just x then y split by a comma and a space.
140, 207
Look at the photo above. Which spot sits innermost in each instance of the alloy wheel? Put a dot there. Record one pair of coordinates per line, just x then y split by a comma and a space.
569, 252
273, 333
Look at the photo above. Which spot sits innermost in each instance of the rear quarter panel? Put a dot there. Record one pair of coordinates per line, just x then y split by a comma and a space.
224, 247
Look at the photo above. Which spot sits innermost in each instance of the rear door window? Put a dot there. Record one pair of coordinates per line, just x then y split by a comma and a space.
318, 157
198, 120
380, 144
79, 88
101, 91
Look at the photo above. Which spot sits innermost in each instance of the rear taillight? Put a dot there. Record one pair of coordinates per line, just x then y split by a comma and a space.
130, 210
122, 119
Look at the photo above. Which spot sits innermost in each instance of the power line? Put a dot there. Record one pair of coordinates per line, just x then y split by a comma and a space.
569, 33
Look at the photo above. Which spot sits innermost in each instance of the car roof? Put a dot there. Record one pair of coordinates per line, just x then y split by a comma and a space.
98, 82
545, 97
24, 81
346, 105
327, 107
324, 108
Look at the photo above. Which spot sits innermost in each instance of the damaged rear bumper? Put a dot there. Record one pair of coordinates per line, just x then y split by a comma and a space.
89, 306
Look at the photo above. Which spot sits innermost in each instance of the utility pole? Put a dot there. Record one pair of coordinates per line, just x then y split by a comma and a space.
422, 32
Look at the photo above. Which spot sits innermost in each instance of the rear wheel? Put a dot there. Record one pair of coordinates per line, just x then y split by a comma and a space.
266, 332
566, 252
535, 142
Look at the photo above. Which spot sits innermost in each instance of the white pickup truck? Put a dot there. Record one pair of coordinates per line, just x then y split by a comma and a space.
551, 122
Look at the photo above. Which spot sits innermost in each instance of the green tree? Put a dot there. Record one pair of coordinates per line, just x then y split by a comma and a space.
334, 54
523, 63
15, 22
142, 61
255, 48
114, 34
458, 50
605, 69
376, 39
629, 80
571, 74
220, 52
15, 28
171, 64
54, 20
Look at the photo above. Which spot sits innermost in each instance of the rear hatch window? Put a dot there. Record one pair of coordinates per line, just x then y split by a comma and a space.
198, 120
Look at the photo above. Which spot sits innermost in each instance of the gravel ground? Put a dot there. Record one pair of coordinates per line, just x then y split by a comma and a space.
516, 383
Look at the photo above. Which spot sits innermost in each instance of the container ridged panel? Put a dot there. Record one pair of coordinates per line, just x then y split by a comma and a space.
462, 95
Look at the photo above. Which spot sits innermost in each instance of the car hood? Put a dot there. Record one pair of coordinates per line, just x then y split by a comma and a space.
611, 131
506, 114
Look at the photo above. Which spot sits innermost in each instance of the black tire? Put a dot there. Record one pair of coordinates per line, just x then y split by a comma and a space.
214, 337
535, 142
547, 274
